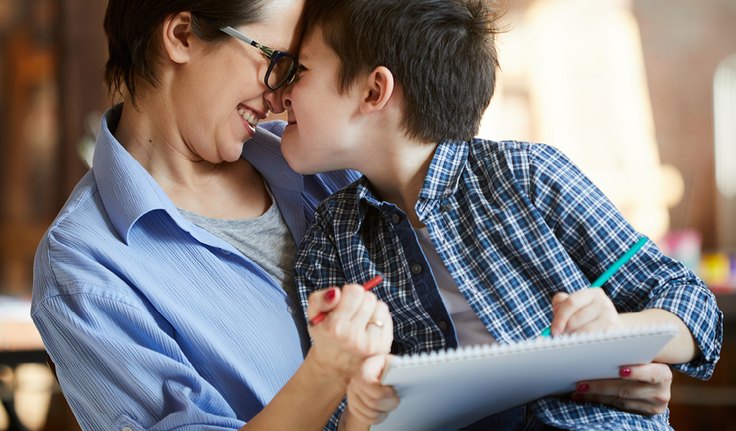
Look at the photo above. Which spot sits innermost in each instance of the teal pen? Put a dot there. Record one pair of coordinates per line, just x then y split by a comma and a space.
610, 271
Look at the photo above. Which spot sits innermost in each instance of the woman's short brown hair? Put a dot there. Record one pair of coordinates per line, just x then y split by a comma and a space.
130, 26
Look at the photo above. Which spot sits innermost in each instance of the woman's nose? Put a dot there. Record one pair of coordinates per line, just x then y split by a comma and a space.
274, 100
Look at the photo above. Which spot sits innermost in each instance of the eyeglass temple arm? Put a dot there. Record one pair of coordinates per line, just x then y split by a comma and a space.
238, 35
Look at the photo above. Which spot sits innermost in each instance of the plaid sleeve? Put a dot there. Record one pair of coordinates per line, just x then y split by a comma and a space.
595, 234
316, 268
317, 261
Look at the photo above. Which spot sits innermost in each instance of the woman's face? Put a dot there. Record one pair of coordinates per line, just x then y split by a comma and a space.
220, 95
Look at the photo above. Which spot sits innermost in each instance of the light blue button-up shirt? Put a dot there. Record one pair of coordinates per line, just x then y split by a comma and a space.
154, 323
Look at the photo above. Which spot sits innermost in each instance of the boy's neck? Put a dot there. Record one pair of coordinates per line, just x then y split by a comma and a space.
400, 176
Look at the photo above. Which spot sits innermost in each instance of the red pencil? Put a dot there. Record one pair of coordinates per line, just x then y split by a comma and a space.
368, 285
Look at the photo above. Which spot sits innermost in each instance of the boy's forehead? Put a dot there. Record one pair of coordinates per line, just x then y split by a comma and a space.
312, 43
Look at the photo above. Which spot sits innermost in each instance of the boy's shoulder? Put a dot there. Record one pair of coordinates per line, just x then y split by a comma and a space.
488, 147
517, 154
343, 202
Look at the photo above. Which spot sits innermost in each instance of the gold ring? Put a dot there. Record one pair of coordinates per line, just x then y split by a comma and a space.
378, 323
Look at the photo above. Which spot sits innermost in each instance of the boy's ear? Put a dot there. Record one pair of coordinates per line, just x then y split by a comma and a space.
177, 37
379, 87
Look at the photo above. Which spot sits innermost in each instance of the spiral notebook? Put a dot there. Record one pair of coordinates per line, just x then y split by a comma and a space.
450, 389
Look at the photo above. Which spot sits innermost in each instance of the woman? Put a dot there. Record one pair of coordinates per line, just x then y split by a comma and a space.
147, 303
163, 288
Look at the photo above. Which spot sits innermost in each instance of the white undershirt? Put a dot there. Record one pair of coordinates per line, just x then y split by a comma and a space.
470, 330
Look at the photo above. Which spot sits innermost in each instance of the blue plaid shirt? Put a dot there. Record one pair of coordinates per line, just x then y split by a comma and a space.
514, 223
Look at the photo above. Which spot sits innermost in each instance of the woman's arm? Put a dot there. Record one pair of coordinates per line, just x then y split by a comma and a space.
119, 368
341, 343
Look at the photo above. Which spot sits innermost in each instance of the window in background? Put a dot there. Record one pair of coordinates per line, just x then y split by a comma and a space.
724, 110
573, 77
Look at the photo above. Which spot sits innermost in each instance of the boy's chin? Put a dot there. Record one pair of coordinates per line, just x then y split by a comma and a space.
298, 164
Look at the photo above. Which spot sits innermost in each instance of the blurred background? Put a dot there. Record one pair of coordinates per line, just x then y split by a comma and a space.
641, 94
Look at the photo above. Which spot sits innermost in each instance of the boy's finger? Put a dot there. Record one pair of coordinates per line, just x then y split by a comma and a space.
565, 307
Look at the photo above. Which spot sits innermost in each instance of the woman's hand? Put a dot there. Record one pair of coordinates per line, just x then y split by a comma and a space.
585, 310
369, 402
356, 326
642, 389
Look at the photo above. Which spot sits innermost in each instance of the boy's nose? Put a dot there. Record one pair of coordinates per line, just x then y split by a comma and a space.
286, 97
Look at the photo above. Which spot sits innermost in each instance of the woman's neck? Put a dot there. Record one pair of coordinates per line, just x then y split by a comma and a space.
220, 190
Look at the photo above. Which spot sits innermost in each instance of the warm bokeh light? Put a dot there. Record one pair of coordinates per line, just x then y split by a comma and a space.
587, 96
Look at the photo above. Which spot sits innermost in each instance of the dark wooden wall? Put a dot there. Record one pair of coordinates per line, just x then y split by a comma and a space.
51, 58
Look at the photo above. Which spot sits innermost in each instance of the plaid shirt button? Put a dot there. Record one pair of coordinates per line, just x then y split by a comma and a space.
416, 269
444, 326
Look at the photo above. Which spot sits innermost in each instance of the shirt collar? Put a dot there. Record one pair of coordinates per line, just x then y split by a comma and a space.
263, 151
442, 176
444, 172
127, 190
441, 182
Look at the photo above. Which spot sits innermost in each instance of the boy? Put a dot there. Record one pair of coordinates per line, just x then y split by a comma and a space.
474, 237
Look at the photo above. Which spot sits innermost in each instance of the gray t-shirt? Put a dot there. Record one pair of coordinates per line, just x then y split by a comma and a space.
265, 239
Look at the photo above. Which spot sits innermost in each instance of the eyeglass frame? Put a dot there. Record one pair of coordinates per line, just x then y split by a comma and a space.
272, 55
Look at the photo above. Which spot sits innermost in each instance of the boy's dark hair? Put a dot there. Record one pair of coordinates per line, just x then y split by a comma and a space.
442, 53
130, 26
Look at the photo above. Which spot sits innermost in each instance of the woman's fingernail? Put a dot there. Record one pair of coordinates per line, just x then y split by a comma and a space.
330, 295
624, 372
583, 387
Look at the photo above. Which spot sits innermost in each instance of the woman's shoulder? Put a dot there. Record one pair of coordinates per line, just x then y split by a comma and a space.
76, 236
82, 211
275, 126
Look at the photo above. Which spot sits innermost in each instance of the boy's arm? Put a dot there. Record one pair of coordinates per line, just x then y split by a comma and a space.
317, 267
594, 234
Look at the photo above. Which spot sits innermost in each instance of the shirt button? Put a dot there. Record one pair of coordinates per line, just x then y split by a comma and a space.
444, 326
289, 309
416, 269
395, 218
446, 208
126, 429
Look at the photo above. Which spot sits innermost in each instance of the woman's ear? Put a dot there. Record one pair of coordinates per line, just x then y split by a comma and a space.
379, 87
177, 37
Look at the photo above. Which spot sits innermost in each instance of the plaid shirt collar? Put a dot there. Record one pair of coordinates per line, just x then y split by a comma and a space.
442, 181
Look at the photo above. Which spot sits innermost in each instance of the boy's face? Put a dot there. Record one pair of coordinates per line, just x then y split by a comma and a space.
322, 125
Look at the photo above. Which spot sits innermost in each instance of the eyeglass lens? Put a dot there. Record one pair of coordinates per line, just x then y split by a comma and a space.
280, 71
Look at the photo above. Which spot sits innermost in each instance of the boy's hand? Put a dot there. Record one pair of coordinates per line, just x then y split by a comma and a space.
369, 402
641, 389
585, 310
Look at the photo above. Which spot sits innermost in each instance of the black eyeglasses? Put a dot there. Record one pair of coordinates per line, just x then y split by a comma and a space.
281, 67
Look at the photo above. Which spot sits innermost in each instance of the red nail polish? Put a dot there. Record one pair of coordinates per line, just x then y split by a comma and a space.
330, 295
583, 387
624, 372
